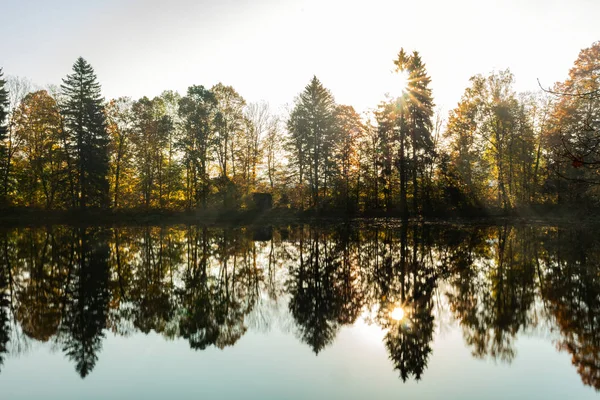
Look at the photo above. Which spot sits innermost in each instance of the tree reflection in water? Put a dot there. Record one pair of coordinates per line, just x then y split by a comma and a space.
209, 286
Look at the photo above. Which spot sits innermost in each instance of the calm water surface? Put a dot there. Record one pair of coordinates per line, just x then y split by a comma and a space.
300, 312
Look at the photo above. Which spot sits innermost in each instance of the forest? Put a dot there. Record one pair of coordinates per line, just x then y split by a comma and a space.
497, 151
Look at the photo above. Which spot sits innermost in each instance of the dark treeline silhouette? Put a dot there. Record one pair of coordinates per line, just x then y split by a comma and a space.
209, 286
67, 148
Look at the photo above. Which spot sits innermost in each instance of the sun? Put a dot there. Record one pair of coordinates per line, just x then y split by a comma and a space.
402, 80
395, 84
397, 314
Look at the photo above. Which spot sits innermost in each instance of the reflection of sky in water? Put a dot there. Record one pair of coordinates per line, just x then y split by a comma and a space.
277, 366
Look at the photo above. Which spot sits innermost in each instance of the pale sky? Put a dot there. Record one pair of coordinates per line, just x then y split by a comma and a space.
269, 50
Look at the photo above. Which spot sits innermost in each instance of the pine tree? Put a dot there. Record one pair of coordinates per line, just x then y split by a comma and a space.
420, 111
312, 128
3, 106
84, 121
3, 130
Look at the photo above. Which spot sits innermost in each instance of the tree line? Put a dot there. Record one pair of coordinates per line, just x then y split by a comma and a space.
68, 148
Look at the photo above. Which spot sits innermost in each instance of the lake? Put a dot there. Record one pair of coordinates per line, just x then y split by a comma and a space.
334, 311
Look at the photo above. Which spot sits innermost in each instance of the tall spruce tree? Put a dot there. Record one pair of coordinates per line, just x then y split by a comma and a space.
3, 130
87, 144
419, 111
3, 106
312, 129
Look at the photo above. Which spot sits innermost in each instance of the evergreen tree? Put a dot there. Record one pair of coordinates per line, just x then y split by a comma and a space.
3, 129
390, 151
87, 136
3, 106
419, 107
312, 129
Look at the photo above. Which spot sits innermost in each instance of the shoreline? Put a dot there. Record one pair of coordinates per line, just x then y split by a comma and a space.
34, 217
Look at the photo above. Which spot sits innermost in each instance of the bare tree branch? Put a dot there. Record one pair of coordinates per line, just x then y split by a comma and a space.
585, 94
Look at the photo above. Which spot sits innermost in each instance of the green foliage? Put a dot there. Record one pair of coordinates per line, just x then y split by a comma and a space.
312, 140
3, 132
229, 127
405, 139
152, 131
493, 143
87, 142
349, 131
122, 173
3, 106
200, 116
40, 161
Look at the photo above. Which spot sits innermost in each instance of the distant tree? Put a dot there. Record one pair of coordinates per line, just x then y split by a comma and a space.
85, 123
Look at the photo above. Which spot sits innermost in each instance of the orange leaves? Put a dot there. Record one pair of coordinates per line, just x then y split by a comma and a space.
577, 163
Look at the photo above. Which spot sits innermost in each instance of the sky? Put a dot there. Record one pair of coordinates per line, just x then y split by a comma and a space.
270, 49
